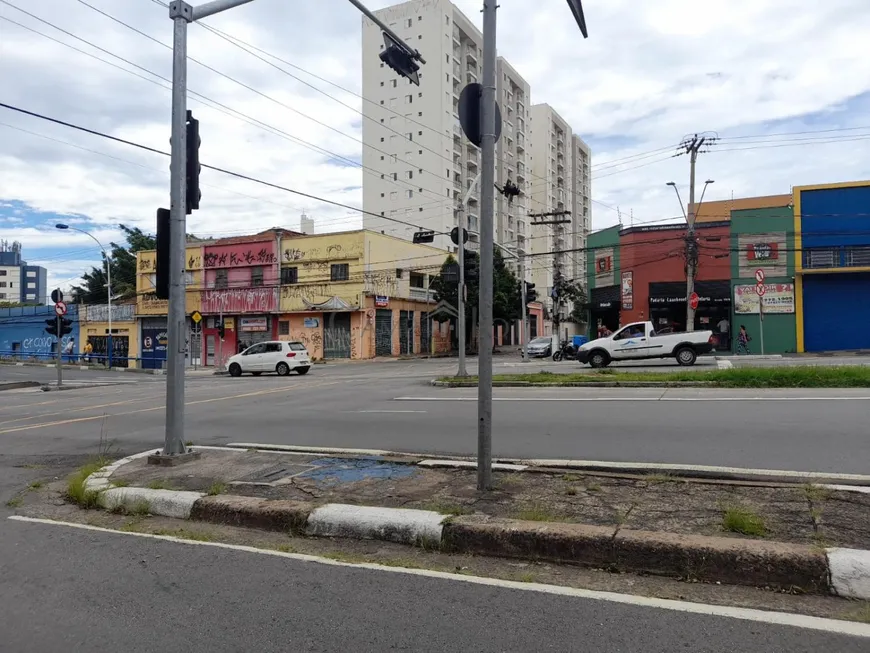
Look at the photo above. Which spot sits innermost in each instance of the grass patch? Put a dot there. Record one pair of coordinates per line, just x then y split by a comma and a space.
861, 614
527, 577
571, 478
842, 376
132, 526
216, 488
185, 534
537, 513
121, 482
658, 479
816, 493
452, 509
593, 487
571, 491
285, 548
76, 492
738, 519
159, 484
35, 485
14, 502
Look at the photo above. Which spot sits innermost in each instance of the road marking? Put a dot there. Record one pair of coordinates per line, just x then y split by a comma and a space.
637, 399
386, 411
849, 628
153, 408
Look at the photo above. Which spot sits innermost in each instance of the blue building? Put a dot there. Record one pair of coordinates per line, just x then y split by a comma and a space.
22, 330
832, 266
34, 284
20, 282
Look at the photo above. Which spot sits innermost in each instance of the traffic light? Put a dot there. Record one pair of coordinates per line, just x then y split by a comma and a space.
400, 60
65, 326
193, 167
51, 329
424, 237
471, 268
531, 293
454, 235
161, 283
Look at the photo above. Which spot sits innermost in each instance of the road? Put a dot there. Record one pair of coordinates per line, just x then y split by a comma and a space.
390, 405
67, 589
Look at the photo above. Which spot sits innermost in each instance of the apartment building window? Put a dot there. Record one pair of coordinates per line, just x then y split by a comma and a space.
417, 280
410, 174
31, 273
2, 284
409, 22
339, 272
283, 328
291, 275
393, 83
220, 279
409, 193
409, 99
257, 276
447, 56
2, 273
395, 176
398, 273
394, 195
410, 136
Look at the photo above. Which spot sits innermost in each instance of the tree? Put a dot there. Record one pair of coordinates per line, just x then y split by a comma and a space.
506, 295
568, 291
94, 290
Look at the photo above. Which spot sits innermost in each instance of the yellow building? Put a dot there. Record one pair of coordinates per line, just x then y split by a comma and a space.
146, 278
94, 328
357, 294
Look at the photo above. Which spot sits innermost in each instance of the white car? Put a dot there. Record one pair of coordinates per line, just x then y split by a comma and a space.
275, 356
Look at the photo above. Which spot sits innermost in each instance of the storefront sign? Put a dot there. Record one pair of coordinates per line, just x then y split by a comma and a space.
681, 299
253, 324
311, 323
382, 301
604, 264
627, 290
762, 251
778, 298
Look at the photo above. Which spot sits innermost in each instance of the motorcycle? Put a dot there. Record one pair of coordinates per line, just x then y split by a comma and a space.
566, 351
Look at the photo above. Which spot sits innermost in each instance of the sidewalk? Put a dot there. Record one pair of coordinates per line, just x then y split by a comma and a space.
811, 537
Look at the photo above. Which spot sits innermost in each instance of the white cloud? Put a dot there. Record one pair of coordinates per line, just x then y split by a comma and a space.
649, 74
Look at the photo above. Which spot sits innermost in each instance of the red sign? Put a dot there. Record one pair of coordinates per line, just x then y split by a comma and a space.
242, 300
759, 276
693, 300
60, 308
760, 289
604, 264
762, 251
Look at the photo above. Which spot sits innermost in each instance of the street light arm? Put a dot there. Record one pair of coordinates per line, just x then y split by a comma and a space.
377, 21
680, 200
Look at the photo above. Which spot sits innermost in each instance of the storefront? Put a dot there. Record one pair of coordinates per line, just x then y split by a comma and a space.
668, 307
604, 307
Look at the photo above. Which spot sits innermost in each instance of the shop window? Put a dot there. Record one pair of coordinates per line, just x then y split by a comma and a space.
257, 276
339, 272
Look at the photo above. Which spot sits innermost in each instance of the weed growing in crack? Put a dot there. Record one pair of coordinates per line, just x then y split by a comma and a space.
216, 488
159, 484
739, 519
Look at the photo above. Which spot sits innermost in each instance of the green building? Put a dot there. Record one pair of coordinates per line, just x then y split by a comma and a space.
603, 279
763, 240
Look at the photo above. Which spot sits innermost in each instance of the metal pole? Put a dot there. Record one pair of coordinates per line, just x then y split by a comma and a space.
487, 192
220, 360
761, 321
460, 318
109, 282
524, 328
180, 13
690, 237
57, 321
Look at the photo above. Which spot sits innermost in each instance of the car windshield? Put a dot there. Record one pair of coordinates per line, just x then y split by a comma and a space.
540, 341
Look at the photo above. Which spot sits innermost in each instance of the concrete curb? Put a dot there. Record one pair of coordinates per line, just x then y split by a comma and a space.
85, 368
579, 384
844, 572
17, 385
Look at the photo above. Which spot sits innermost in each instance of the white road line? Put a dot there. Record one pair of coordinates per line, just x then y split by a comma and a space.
634, 399
761, 616
386, 411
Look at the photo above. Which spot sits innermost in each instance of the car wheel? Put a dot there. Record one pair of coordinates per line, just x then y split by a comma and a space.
686, 356
303, 370
283, 369
235, 369
598, 360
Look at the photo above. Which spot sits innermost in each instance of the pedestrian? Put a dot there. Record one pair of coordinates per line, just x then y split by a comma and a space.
69, 349
743, 340
88, 350
724, 328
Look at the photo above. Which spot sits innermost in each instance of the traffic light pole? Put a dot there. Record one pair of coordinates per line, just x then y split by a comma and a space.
59, 322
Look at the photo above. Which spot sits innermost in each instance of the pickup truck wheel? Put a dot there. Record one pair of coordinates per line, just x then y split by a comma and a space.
686, 356
599, 359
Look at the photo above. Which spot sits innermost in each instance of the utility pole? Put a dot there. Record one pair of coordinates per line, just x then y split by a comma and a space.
556, 218
487, 199
59, 351
692, 146
524, 322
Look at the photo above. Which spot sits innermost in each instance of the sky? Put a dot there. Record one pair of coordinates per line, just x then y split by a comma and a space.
782, 84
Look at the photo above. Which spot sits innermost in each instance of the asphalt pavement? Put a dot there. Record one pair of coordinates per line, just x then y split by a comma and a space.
67, 589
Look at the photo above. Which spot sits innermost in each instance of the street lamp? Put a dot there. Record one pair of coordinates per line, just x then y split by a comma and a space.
680, 199
108, 259
703, 190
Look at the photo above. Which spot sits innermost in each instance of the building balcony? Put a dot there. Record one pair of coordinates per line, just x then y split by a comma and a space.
457, 72
471, 57
470, 77
421, 294
851, 256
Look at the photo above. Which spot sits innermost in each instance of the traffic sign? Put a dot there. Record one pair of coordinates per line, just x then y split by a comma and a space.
759, 276
60, 308
759, 289
196, 316
693, 300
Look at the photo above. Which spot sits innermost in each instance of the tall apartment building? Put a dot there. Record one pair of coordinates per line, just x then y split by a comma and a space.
560, 182
419, 163
20, 282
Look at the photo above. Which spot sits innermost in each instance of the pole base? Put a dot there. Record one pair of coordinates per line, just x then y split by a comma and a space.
173, 459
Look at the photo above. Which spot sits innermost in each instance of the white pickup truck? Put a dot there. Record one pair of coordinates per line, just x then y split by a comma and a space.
640, 340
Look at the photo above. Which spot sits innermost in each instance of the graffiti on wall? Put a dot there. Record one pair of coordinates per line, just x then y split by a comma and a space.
242, 300
381, 282
100, 313
333, 251
243, 256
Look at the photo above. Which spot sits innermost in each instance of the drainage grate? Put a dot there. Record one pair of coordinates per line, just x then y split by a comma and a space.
274, 473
